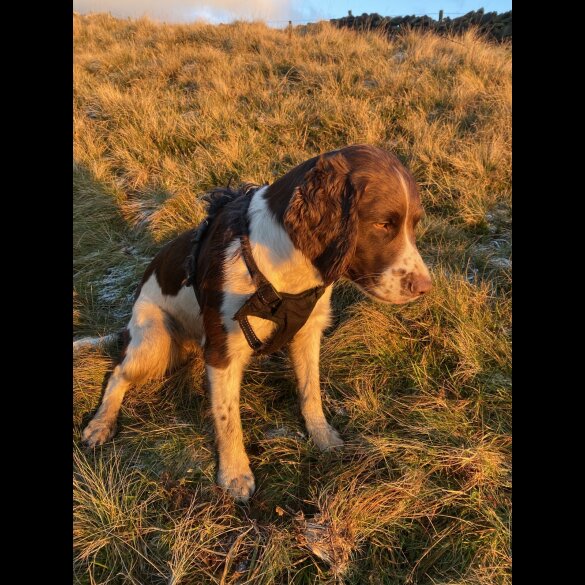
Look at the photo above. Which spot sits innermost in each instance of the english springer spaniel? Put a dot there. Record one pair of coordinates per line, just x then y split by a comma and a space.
258, 273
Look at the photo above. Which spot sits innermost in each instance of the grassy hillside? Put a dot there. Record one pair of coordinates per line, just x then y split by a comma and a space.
421, 393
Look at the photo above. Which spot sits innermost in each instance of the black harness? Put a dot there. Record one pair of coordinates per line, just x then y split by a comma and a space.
288, 311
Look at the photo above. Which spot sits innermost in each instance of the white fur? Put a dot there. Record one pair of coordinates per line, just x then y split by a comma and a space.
183, 307
234, 472
286, 267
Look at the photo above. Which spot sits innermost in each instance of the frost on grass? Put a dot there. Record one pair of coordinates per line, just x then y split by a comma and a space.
493, 253
93, 342
116, 289
280, 432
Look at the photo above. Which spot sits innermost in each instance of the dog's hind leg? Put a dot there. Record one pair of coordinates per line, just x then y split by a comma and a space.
148, 354
103, 425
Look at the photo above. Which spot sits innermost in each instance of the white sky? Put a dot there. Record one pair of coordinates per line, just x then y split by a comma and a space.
210, 10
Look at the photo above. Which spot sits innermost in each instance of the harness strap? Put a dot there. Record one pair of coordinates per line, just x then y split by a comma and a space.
264, 289
288, 311
249, 334
191, 264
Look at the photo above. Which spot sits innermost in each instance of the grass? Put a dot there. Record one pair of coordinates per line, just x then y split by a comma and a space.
422, 393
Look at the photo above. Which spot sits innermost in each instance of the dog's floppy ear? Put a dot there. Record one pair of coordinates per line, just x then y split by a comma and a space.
321, 217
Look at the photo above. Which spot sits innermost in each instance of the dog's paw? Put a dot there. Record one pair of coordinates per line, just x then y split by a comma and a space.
238, 482
97, 432
325, 436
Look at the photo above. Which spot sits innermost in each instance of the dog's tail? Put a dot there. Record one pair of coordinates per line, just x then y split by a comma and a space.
97, 342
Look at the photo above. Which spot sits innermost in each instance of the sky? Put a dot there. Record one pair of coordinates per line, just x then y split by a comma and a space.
277, 12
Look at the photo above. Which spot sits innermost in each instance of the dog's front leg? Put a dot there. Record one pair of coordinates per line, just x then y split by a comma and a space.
304, 351
234, 474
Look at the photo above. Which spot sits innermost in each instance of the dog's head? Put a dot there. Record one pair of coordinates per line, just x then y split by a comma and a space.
353, 213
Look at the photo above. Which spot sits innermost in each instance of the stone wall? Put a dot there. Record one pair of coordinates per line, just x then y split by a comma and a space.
494, 25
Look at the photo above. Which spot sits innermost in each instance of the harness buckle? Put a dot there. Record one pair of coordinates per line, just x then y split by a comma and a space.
269, 296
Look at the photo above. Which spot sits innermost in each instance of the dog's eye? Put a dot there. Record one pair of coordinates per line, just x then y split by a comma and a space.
387, 226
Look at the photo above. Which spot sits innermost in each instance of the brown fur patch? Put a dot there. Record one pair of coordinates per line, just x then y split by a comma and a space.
169, 265
209, 278
321, 217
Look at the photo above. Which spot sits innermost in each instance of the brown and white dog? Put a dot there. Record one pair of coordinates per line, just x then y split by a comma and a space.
348, 213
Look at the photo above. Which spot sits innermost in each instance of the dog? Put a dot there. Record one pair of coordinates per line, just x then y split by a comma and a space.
349, 213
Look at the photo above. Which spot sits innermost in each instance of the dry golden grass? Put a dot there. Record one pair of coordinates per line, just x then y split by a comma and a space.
421, 393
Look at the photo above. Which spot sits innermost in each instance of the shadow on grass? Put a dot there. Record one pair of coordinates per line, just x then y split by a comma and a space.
112, 248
